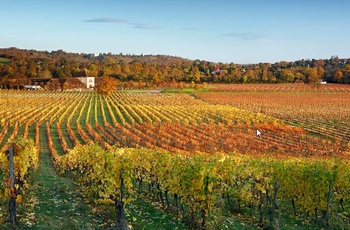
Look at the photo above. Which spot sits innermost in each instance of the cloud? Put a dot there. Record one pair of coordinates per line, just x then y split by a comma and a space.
107, 20
135, 25
143, 26
245, 36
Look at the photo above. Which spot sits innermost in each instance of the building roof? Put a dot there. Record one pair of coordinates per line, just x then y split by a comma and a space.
22, 81
65, 83
84, 73
54, 81
74, 82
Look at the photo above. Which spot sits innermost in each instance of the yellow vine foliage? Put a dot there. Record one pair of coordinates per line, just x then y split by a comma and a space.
201, 180
25, 158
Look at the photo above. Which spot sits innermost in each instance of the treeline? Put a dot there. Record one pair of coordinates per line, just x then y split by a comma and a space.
159, 69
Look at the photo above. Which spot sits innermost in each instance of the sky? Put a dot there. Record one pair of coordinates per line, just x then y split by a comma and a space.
227, 31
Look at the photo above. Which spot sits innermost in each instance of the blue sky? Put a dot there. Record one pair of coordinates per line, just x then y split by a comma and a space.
238, 31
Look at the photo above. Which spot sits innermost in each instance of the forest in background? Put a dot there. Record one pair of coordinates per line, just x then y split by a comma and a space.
156, 70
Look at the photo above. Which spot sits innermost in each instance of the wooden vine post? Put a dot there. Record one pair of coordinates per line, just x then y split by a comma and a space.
326, 213
274, 202
12, 202
119, 206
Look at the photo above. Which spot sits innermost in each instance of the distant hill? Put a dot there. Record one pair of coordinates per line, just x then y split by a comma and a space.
147, 70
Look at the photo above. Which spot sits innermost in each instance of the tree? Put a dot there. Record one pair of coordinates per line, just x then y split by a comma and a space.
154, 75
300, 76
338, 75
93, 69
107, 86
195, 74
44, 74
176, 74
137, 68
320, 72
126, 70
286, 75
313, 77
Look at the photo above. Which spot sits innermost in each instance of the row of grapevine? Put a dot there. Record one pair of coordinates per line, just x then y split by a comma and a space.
25, 158
200, 134
288, 87
199, 182
172, 122
324, 113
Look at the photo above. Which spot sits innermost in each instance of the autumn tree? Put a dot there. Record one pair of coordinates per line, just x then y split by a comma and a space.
126, 70
287, 75
195, 75
176, 74
154, 75
338, 76
136, 69
107, 86
31, 69
313, 77
320, 72
300, 75
158, 69
45, 74
93, 69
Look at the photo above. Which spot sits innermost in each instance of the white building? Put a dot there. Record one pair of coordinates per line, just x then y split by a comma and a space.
88, 81
86, 77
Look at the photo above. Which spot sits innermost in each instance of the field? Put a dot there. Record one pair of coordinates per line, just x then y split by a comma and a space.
211, 135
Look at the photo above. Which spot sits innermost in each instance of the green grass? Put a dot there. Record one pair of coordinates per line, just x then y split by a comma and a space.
66, 135
7, 136
31, 132
146, 216
55, 139
4, 60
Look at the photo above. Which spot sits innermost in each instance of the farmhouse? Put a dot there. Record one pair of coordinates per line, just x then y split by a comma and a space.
86, 77
53, 84
65, 83
218, 71
19, 83
73, 83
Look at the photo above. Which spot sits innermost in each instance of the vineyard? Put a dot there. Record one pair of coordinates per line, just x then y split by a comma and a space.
198, 154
